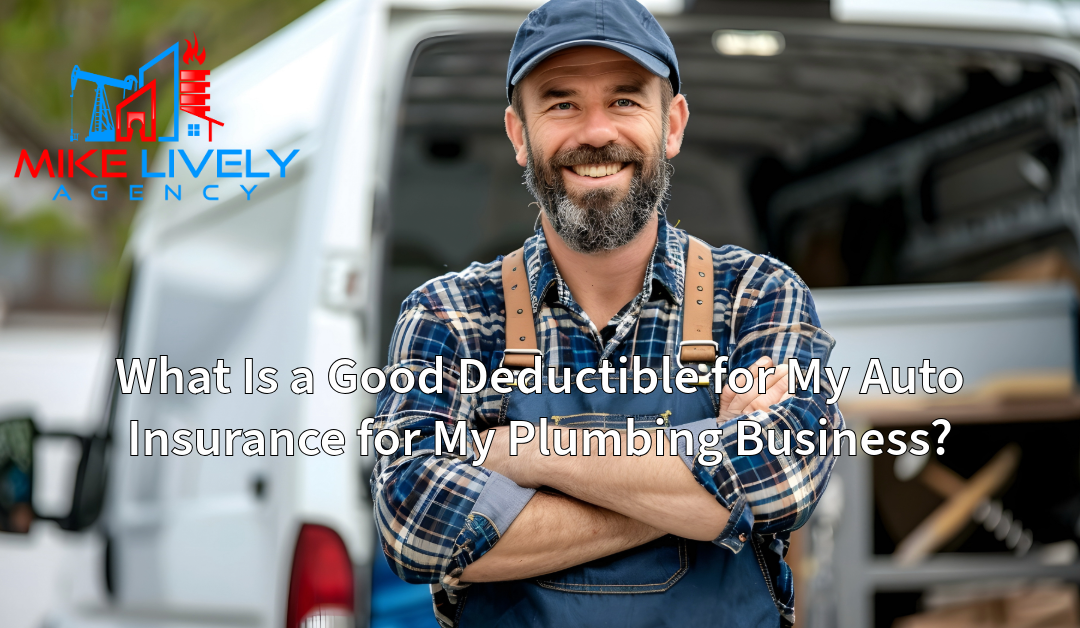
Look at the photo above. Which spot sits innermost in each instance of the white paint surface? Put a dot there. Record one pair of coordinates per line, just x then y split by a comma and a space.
58, 372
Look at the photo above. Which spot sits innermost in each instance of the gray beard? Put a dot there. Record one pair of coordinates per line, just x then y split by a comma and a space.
599, 220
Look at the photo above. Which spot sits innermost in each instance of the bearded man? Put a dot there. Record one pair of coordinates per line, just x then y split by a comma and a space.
595, 116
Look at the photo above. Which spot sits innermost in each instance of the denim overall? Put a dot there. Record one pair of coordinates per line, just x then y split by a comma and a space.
671, 581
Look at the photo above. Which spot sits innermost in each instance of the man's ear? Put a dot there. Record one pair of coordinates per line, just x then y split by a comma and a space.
515, 130
678, 114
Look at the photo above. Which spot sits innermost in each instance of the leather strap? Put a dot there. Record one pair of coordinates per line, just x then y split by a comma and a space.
520, 327
697, 340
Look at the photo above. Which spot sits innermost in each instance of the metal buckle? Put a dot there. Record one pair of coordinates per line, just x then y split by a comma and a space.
519, 352
703, 379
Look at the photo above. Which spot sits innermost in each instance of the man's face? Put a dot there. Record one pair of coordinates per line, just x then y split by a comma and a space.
595, 142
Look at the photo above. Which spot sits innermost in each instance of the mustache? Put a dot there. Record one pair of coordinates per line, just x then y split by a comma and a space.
585, 155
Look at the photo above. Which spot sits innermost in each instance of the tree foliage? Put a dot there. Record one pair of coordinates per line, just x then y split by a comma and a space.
42, 40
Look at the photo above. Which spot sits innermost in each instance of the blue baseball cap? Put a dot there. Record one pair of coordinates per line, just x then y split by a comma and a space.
621, 25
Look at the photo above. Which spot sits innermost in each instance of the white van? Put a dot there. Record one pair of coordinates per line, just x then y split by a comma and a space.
864, 142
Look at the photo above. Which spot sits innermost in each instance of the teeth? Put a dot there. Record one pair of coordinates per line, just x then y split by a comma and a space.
597, 170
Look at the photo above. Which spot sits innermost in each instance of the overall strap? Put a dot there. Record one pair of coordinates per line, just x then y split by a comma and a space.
698, 349
697, 346
520, 327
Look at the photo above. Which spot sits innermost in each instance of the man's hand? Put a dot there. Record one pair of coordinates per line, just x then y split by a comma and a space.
776, 390
520, 468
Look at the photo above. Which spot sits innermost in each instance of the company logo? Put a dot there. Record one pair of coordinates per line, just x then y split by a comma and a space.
136, 115
191, 94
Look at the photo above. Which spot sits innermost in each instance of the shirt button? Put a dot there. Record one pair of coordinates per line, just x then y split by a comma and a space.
742, 538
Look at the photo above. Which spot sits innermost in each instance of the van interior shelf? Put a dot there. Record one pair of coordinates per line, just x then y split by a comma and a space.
1008, 410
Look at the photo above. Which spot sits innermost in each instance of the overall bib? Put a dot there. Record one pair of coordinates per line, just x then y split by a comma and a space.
671, 581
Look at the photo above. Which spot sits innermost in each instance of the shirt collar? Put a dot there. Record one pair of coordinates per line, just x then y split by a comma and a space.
669, 260
668, 267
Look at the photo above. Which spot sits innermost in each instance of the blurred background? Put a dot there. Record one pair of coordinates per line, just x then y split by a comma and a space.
63, 257
60, 261
916, 165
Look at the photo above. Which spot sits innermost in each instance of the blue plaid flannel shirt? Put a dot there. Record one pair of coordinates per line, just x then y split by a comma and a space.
438, 514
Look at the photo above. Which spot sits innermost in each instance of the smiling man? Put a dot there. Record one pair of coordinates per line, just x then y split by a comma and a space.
595, 116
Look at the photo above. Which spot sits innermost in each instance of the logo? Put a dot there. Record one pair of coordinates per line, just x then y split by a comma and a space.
191, 94
136, 115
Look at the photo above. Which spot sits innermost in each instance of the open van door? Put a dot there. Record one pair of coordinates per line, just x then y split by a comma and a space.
943, 93
261, 256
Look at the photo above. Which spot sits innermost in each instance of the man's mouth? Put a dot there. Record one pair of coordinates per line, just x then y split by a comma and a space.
598, 170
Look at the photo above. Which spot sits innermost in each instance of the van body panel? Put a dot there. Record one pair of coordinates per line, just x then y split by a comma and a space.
237, 278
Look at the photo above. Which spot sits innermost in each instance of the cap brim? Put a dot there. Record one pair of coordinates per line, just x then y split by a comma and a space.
645, 59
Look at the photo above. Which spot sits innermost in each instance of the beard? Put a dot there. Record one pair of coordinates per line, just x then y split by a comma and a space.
602, 219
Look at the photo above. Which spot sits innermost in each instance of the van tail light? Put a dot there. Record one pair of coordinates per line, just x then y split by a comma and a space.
321, 586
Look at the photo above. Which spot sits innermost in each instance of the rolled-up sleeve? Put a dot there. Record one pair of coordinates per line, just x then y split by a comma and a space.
773, 315
435, 514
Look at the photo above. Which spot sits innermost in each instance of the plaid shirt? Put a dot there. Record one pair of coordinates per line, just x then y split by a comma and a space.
438, 514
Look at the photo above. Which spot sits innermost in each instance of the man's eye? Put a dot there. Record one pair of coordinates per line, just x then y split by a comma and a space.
563, 106
624, 102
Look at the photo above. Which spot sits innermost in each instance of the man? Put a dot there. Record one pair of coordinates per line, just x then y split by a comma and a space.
595, 114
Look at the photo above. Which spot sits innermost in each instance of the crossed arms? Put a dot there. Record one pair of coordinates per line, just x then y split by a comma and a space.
432, 511
608, 504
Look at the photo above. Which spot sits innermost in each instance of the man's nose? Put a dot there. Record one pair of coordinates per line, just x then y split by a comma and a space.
597, 128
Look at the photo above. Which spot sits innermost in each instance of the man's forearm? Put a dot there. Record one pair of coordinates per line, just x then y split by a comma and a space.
658, 491
554, 532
